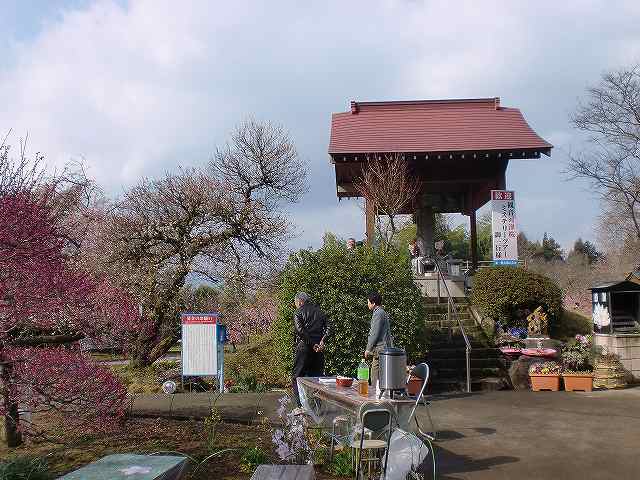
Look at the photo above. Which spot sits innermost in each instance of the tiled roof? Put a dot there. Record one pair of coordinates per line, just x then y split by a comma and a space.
432, 126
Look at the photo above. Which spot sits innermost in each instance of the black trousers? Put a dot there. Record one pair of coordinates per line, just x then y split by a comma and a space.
306, 363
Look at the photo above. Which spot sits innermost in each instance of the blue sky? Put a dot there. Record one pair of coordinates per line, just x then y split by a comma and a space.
136, 88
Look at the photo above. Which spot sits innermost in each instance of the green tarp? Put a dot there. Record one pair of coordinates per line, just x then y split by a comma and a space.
131, 467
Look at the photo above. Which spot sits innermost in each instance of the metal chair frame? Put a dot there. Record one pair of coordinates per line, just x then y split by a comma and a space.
422, 371
376, 419
334, 438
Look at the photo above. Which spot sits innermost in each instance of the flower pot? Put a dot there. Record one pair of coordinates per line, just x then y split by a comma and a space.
578, 381
544, 382
414, 385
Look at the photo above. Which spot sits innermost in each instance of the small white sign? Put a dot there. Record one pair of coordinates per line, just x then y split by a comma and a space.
504, 231
199, 344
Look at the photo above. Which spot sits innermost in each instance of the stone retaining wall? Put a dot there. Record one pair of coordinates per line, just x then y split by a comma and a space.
626, 347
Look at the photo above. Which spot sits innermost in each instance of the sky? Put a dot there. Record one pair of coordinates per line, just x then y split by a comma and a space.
137, 88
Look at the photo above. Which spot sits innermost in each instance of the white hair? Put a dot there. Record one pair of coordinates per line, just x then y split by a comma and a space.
303, 297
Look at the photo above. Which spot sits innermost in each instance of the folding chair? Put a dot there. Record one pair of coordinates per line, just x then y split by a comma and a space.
421, 371
334, 438
376, 419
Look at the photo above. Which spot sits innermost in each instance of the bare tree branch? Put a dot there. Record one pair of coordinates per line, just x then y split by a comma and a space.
387, 183
611, 116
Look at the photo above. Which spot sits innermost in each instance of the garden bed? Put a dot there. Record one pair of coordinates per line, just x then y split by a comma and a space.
153, 435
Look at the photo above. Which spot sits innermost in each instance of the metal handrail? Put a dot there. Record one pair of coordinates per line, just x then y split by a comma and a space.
451, 305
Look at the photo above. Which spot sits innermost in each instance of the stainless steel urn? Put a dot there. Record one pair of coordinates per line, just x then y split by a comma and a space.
393, 369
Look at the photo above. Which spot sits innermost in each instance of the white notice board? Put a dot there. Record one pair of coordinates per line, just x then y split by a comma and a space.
504, 232
199, 344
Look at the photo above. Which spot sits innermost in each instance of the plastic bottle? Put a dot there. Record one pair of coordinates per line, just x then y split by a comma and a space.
363, 378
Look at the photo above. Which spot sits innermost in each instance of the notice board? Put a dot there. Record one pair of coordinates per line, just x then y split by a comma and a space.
199, 344
504, 232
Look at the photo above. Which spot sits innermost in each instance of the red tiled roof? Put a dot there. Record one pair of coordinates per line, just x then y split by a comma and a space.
432, 126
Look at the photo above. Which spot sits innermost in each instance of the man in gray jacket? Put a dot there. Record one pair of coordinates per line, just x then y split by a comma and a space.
379, 334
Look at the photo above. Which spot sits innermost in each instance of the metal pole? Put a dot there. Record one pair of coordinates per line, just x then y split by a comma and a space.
468, 370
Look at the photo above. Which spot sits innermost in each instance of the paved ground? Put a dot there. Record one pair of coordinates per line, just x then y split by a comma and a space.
494, 435
539, 435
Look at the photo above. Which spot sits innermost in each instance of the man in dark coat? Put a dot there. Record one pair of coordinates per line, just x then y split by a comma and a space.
311, 332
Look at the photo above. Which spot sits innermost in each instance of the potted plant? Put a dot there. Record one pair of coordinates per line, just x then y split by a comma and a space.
577, 364
545, 376
414, 384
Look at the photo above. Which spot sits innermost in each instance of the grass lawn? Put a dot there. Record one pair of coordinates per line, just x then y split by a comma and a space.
153, 435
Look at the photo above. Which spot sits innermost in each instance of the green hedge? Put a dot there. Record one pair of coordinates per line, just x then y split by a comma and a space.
339, 280
256, 360
503, 293
571, 324
24, 468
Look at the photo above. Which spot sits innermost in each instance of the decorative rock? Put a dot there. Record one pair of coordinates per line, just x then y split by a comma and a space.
519, 371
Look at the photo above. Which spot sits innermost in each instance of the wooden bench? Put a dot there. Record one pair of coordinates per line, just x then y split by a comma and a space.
284, 472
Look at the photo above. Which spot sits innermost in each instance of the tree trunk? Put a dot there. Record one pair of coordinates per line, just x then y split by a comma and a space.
9, 426
145, 356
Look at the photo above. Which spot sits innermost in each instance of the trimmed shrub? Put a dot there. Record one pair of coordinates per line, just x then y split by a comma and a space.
504, 293
254, 363
339, 280
572, 323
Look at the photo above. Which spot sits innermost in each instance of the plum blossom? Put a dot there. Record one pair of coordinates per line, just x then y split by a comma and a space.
290, 441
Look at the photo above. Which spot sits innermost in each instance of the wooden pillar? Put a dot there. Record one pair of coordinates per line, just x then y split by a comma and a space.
370, 221
474, 239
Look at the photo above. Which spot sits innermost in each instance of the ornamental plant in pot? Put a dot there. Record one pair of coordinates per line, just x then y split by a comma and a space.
577, 364
545, 376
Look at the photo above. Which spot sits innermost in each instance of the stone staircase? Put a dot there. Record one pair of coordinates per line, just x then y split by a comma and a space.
447, 356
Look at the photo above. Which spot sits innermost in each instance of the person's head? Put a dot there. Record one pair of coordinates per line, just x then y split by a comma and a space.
374, 300
413, 242
351, 243
300, 299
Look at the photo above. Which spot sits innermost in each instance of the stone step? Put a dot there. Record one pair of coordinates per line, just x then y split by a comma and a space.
444, 385
460, 362
440, 339
453, 352
433, 317
444, 309
462, 372
439, 324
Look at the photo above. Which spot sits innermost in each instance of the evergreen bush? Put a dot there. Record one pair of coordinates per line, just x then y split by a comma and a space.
24, 468
503, 293
339, 280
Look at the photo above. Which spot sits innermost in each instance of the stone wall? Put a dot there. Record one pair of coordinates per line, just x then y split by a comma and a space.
428, 285
626, 347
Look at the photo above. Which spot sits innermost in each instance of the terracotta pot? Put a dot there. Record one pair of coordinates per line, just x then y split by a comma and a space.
578, 381
545, 382
414, 386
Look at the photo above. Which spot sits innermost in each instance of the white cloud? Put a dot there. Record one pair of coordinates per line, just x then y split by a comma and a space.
142, 88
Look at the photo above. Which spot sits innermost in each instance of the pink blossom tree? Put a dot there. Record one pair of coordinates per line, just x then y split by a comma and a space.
48, 303
254, 317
